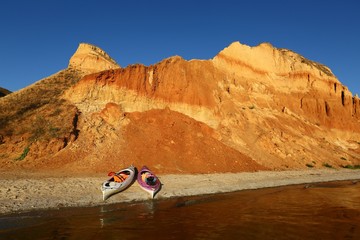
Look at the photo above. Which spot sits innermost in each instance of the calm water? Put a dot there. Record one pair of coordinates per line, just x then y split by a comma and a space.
315, 211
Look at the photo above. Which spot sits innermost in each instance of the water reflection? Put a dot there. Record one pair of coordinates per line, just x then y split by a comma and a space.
323, 211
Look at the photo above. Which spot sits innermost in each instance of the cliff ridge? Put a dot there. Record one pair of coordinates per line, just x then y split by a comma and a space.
246, 109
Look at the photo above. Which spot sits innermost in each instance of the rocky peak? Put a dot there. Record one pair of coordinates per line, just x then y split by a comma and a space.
266, 59
90, 59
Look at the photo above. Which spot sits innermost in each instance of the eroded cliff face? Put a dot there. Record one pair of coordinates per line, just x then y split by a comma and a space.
247, 109
263, 75
288, 80
183, 86
271, 104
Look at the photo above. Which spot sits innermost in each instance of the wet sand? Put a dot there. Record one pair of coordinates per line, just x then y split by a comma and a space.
26, 192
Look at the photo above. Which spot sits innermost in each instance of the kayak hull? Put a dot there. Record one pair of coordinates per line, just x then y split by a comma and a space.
148, 181
120, 181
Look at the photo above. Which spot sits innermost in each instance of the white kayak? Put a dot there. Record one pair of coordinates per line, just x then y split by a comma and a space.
118, 182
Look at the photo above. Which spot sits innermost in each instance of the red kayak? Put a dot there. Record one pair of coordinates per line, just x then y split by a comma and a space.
148, 181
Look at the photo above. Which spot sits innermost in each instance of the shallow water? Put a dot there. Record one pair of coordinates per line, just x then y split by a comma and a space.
313, 211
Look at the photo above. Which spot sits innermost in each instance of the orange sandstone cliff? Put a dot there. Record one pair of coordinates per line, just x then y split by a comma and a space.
247, 109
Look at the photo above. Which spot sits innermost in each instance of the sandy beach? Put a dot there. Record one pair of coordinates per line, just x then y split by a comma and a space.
20, 192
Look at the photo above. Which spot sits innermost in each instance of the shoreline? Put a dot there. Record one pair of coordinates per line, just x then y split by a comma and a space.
40, 192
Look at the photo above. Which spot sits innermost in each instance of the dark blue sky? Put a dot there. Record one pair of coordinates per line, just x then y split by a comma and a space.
38, 37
